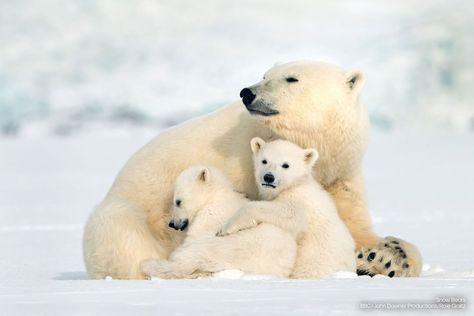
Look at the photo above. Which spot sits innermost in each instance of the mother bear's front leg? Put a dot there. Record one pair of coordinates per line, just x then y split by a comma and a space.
389, 256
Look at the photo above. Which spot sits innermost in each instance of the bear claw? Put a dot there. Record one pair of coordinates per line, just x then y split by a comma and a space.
364, 272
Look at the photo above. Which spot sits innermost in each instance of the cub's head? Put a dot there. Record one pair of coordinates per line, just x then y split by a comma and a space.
280, 164
303, 96
195, 188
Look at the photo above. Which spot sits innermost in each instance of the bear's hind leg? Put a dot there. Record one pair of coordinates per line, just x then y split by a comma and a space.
117, 238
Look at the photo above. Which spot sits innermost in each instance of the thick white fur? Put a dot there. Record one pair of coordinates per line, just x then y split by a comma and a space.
297, 204
207, 200
321, 111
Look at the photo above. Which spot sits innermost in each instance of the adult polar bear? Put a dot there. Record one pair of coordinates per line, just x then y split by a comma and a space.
312, 104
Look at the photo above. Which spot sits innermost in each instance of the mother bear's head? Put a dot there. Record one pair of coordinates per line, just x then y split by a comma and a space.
305, 96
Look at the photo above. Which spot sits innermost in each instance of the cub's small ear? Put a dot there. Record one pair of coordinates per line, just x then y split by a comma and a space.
310, 156
355, 80
256, 144
204, 175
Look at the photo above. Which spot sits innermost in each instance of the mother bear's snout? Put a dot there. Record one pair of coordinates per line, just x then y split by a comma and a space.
247, 96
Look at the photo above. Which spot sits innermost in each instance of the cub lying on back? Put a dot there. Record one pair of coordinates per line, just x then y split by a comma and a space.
297, 204
204, 200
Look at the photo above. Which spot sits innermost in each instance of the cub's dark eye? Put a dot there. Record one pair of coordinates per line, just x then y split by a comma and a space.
285, 166
178, 203
264, 161
291, 79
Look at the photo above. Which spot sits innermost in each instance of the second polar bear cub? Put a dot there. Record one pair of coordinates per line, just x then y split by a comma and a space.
298, 204
204, 200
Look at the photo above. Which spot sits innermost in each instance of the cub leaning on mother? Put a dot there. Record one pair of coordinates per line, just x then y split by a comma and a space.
312, 104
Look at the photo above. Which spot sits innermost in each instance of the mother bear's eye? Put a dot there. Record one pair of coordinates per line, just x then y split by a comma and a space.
285, 166
291, 79
178, 203
264, 161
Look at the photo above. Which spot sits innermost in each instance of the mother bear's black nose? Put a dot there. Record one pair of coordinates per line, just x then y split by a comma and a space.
247, 96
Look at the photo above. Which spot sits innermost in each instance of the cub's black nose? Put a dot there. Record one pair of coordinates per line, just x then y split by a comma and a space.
247, 96
179, 224
184, 224
269, 178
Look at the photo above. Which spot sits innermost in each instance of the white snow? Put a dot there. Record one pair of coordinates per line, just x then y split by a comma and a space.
420, 188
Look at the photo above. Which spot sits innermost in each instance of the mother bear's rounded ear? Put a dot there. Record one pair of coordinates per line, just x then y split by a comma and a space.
256, 144
355, 80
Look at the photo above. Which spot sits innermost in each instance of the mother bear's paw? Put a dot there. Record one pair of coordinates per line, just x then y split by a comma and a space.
392, 257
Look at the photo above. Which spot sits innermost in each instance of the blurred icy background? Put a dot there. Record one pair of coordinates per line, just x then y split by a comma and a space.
70, 67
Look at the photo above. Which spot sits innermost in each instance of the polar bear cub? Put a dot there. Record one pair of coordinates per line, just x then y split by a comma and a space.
204, 200
296, 203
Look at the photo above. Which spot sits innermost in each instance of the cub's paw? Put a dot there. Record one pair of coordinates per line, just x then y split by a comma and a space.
235, 225
228, 229
156, 268
392, 257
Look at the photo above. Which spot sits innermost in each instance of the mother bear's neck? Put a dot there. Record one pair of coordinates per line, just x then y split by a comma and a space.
341, 145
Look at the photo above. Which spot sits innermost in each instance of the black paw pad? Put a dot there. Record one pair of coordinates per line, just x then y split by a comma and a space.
406, 266
388, 264
395, 242
398, 248
391, 274
364, 272
403, 254
371, 256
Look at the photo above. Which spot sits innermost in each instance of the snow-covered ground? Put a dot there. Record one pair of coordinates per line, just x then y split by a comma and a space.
420, 188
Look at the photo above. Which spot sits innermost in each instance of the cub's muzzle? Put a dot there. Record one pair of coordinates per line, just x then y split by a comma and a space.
179, 224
